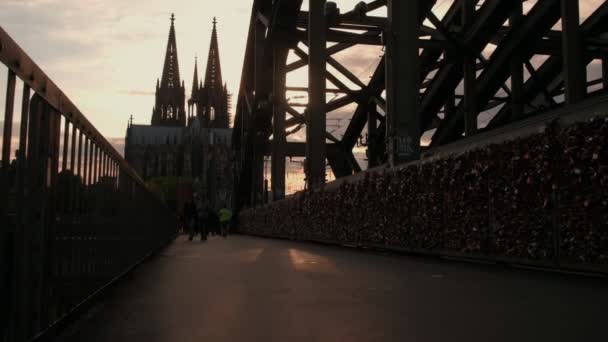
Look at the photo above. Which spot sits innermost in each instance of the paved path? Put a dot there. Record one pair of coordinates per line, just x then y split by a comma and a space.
250, 289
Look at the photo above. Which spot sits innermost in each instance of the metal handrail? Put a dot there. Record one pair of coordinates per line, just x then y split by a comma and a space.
18, 61
65, 236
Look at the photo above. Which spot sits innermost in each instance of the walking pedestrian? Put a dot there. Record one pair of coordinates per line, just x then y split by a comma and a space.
224, 217
190, 220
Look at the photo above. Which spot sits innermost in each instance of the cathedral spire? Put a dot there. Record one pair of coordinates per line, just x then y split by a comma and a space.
213, 75
195, 80
171, 77
170, 93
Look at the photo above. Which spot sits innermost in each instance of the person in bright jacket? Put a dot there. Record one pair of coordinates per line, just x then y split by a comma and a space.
224, 215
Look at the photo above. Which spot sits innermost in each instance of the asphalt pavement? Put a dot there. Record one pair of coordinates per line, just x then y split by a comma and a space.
251, 289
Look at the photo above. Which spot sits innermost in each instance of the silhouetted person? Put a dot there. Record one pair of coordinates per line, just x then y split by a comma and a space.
190, 219
202, 223
213, 221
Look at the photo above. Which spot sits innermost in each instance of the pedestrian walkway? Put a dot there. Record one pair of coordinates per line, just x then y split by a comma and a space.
250, 289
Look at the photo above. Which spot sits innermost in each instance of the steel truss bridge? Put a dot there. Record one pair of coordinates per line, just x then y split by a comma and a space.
75, 218
443, 70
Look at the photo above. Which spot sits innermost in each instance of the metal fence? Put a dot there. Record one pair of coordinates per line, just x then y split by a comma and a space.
74, 216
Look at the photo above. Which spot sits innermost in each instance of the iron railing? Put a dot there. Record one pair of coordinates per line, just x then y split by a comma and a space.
74, 216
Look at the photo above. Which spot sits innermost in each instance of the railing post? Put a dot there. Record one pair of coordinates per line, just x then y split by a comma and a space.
6, 229
16, 323
95, 166
8, 123
38, 218
85, 175
72, 183
73, 150
66, 139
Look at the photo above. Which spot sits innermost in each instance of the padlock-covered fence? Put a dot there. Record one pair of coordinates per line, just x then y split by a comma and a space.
540, 200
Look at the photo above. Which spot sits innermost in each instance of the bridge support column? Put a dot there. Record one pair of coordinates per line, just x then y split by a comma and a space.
575, 73
316, 115
260, 106
517, 71
279, 147
372, 132
402, 81
470, 74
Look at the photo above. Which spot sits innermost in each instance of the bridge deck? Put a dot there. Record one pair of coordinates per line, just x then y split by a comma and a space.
249, 289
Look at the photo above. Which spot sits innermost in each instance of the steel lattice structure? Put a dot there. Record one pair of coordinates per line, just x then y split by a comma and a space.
434, 77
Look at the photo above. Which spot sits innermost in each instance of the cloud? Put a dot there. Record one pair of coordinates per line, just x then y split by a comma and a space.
137, 92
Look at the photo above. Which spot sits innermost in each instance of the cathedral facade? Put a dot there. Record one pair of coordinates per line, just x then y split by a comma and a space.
193, 146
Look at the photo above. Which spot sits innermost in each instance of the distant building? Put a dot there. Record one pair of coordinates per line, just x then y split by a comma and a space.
191, 146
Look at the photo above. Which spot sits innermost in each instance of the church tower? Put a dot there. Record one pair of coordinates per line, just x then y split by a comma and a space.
210, 101
169, 109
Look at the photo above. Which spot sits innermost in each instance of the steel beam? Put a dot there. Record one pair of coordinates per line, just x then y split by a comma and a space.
372, 136
574, 69
278, 124
488, 19
374, 89
548, 78
402, 81
261, 77
316, 111
517, 70
521, 39
470, 73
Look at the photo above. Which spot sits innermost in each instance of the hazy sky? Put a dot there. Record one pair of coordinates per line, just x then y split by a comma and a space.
107, 54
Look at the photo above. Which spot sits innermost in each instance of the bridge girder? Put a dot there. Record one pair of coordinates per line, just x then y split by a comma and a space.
495, 38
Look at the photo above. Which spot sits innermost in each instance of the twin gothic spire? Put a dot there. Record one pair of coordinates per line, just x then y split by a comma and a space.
213, 75
171, 77
210, 100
